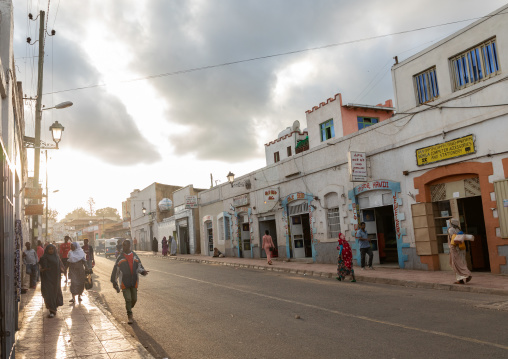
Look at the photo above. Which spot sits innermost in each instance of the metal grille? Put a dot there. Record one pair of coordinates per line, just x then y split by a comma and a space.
333, 223
472, 187
299, 208
438, 192
226, 228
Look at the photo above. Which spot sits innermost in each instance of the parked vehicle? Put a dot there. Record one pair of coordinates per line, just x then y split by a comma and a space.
100, 245
110, 247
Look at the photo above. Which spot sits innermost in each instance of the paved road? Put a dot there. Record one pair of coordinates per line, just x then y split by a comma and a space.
190, 310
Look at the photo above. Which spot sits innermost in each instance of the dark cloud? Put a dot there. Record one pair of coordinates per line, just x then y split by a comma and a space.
98, 122
224, 108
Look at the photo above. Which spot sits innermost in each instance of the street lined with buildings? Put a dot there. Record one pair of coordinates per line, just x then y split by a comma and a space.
422, 172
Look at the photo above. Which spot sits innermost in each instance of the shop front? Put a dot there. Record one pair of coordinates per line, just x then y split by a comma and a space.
461, 191
377, 203
268, 223
298, 220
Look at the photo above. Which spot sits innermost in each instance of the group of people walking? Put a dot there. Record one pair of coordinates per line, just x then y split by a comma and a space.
168, 246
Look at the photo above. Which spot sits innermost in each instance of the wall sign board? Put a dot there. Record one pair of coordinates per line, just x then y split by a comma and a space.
455, 148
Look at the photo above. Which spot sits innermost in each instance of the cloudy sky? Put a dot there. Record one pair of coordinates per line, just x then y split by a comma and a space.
146, 122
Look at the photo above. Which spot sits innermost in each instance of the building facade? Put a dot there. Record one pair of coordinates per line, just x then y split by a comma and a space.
405, 176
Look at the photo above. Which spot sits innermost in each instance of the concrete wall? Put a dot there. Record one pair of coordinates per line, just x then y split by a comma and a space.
281, 144
331, 109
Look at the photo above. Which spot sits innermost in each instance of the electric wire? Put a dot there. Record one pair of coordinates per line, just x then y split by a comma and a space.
229, 63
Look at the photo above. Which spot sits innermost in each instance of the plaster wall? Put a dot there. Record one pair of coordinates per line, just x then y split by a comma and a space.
350, 116
439, 55
281, 144
326, 111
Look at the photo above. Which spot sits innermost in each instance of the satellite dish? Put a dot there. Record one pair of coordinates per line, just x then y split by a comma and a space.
296, 126
165, 204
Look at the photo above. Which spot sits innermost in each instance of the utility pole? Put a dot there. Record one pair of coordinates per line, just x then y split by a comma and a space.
38, 118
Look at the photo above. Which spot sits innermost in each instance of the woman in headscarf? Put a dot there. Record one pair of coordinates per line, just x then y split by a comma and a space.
345, 260
77, 270
155, 246
457, 255
51, 271
165, 246
173, 246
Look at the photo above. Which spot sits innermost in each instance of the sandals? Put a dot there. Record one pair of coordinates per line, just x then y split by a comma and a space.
468, 279
270, 263
72, 300
80, 299
460, 282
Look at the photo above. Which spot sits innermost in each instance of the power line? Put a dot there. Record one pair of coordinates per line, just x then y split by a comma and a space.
195, 69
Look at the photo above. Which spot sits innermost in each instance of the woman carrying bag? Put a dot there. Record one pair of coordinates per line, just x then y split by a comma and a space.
458, 254
78, 269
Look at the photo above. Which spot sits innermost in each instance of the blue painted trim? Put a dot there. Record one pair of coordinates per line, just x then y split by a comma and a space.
395, 188
285, 220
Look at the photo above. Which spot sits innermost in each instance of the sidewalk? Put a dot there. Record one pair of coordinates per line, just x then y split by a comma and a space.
77, 331
443, 280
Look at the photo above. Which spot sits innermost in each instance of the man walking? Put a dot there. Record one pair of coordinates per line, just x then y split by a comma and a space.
88, 249
64, 251
127, 267
30, 259
365, 248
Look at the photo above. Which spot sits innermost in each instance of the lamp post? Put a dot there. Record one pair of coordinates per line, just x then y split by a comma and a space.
36, 143
231, 178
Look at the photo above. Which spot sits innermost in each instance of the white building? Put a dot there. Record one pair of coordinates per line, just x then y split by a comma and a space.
286, 144
432, 161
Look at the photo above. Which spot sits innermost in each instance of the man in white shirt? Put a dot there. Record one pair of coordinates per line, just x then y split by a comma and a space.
30, 259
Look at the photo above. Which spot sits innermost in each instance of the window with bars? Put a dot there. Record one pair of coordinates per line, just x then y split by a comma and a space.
327, 130
364, 122
426, 85
226, 229
333, 222
476, 64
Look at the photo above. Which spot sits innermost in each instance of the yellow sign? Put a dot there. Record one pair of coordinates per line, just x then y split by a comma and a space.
454, 148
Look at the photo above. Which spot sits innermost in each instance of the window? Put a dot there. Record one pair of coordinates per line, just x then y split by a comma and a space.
226, 229
333, 223
289, 151
426, 86
276, 157
364, 122
475, 65
327, 131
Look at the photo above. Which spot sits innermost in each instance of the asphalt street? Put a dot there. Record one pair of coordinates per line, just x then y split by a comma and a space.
191, 310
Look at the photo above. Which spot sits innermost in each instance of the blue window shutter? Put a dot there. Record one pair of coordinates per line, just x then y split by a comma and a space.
494, 53
332, 130
479, 63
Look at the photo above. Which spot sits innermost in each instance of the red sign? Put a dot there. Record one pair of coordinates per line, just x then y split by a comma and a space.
369, 186
295, 196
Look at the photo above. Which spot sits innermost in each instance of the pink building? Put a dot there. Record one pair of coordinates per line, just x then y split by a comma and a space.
332, 119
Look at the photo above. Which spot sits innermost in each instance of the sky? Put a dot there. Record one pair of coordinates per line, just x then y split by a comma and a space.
139, 116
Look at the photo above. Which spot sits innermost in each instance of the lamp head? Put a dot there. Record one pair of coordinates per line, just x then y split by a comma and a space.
231, 177
56, 131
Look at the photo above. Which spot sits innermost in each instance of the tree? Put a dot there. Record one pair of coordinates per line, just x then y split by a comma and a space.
52, 214
107, 212
77, 213
91, 203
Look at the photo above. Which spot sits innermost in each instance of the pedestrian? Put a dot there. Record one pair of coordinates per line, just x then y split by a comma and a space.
78, 269
90, 255
135, 242
173, 246
165, 246
51, 273
40, 253
64, 252
118, 247
365, 248
127, 267
155, 246
268, 246
345, 260
458, 254
30, 259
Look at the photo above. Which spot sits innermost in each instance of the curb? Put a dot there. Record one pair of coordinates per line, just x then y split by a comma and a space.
359, 278
141, 350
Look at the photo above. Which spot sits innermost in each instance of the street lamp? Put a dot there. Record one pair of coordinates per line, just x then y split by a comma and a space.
56, 132
231, 178
144, 211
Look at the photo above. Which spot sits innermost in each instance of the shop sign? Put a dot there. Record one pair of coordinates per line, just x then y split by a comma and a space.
357, 166
242, 209
271, 195
241, 200
296, 196
91, 229
455, 148
207, 218
34, 209
191, 202
33, 193
369, 186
